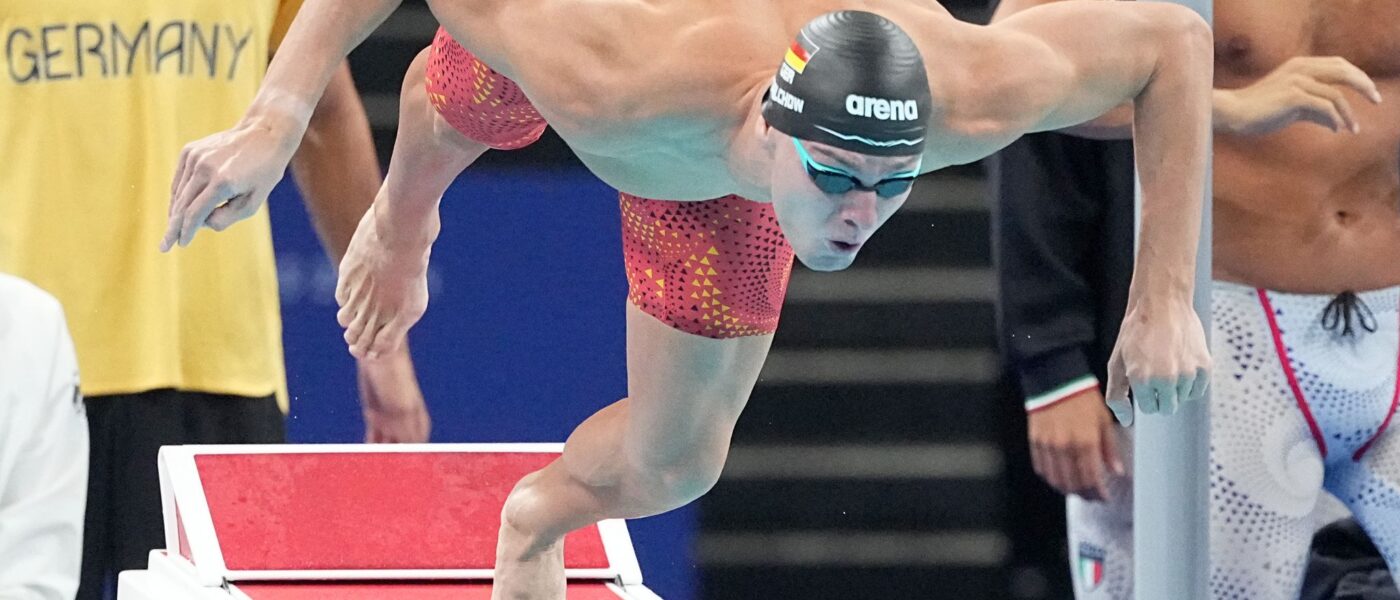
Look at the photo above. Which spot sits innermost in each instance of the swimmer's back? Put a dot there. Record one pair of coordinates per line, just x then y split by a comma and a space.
591, 62
648, 94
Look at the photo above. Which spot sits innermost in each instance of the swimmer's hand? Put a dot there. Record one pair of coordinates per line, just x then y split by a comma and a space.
393, 404
383, 286
1161, 356
226, 177
1074, 445
1306, 88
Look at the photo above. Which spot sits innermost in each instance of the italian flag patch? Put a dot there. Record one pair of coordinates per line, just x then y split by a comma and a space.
1091, 560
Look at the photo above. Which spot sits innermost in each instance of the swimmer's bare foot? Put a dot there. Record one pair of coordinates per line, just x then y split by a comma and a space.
526, 569
383, 284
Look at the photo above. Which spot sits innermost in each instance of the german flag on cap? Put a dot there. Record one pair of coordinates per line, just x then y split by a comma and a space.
801, 51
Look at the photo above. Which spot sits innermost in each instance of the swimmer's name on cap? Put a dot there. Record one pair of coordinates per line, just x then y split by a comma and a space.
853, 80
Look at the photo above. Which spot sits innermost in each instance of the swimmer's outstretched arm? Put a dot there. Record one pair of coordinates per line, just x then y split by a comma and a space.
383, 285
1116, 124
1160, 57
322, 35
335, 166
226, 177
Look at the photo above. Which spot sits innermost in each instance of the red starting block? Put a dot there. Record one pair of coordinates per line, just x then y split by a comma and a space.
382, 522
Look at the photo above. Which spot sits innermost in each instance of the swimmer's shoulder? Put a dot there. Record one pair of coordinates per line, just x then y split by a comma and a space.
636, 61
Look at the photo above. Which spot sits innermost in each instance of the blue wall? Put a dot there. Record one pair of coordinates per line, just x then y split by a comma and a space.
523, 338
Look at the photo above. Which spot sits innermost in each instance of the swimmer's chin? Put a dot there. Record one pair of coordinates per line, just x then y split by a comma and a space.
827, 262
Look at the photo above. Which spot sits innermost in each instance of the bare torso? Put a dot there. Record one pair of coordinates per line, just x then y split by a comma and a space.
651, 94
1307, 210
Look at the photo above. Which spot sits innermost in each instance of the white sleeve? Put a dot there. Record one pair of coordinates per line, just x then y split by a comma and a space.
42, 502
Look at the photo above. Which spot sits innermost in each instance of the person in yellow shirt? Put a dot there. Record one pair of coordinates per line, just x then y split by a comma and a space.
96, 96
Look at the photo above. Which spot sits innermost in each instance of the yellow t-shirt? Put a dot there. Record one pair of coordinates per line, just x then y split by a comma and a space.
96, 100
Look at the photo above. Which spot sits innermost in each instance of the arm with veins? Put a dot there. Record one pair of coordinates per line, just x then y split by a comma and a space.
226, 177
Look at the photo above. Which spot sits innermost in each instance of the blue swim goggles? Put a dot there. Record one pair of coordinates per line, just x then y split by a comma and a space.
837, 181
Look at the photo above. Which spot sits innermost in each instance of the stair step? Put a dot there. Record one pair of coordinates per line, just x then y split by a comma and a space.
894, 505
877, 366
951, 238
874, 414
946, 190
944, 325
820, 583
863, 462
854, 549
891, 284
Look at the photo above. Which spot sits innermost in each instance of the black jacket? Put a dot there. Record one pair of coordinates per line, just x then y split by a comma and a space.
1062, 237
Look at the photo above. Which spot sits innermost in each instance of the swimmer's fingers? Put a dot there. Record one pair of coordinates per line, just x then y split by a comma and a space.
351, 282
1329, 104
199, 210
1108, 447
1167, 399
1336, 70
354, 305
373, 342
360, 349
1116, 393
380, 341
352, 277
389, 338
172, 234
192, 217
1144, 397
195, 185
182, 175
1183, 388
364, 326
189, 178
346, 314
1201, 384
342, 285
1165, 389
354, 329
231, 212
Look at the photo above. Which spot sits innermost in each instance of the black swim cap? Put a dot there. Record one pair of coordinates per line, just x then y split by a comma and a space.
853, 80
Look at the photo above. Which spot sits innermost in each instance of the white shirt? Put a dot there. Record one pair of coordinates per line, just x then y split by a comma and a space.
43, 448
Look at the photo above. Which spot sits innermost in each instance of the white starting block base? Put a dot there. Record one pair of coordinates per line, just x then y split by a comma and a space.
169, 578
355, 522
